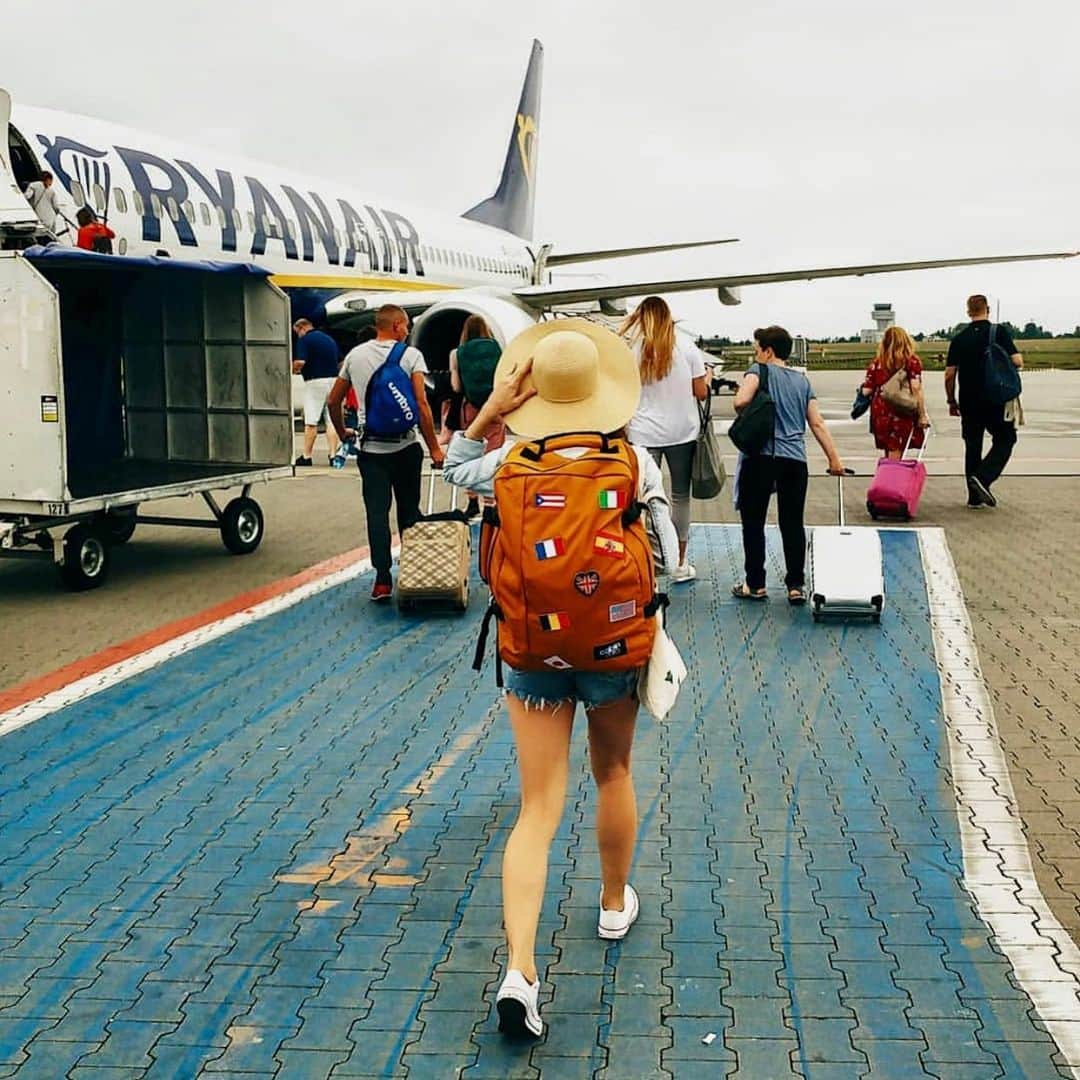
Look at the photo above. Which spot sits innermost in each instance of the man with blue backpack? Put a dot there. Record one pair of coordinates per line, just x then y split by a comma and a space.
988, 365
388, 377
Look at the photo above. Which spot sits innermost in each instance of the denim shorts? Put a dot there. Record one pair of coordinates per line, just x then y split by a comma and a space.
539, 689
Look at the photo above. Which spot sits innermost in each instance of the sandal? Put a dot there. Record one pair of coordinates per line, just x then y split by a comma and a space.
796, 597
742, 591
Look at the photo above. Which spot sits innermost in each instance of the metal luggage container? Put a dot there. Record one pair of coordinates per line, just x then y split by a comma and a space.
127, 380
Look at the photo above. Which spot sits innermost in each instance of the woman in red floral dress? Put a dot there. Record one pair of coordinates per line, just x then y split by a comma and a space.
892, 429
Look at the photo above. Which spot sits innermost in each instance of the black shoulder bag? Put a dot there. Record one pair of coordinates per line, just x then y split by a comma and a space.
753, 429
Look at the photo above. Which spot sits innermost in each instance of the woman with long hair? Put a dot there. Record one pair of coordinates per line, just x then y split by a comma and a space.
892, 429
666, 423
472, 368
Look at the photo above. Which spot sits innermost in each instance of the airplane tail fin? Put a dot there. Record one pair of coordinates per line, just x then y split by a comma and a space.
511, 207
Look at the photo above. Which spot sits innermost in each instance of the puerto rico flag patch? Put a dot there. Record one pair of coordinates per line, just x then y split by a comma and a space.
608, 544
555, 620
613, 500
549, 500
550, 549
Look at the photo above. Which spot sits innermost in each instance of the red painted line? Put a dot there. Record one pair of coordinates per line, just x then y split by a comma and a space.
114, 654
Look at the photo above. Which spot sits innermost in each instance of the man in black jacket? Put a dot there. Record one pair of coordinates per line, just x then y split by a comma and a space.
979, 417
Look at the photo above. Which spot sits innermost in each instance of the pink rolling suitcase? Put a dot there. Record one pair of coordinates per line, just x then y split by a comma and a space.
898, 485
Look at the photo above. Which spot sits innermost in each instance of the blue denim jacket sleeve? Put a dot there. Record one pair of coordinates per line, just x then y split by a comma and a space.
469, 467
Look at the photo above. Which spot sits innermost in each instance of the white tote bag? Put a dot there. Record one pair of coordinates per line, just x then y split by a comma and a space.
663, 675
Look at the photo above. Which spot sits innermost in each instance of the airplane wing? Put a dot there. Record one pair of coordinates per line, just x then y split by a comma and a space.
547, 296
556, 259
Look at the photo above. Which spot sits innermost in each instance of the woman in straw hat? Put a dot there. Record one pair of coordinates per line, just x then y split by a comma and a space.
567, 375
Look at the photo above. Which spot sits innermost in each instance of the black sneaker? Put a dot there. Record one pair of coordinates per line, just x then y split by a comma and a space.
301, 460
976, 485
974, 500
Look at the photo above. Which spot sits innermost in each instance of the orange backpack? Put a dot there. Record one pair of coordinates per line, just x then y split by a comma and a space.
566, 556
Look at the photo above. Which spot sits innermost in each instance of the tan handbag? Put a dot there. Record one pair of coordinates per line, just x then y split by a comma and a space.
898, 395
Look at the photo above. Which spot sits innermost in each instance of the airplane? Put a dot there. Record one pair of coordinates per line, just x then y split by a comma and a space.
339, 252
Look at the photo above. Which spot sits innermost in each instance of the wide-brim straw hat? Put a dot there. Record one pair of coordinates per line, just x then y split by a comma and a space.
586, 379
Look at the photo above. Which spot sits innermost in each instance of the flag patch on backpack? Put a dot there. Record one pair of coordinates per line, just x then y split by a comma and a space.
555, 620
609, 544
550, 549
613, 500
549, 500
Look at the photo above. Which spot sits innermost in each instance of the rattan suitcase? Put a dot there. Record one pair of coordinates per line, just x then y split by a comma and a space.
433, 567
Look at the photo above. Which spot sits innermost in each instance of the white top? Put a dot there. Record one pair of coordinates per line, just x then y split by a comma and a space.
359, 365
45, 202
667, 414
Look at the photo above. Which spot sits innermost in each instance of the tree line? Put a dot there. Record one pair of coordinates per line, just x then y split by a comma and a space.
1030, 331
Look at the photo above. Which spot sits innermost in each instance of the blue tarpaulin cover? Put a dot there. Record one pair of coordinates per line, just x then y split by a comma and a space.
67, 258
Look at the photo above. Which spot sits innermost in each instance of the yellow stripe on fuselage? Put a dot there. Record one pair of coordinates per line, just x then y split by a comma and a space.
342, 281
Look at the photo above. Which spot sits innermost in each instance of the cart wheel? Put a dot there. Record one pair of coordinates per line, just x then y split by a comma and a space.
118, 525
86, 557
242, 526
876, 618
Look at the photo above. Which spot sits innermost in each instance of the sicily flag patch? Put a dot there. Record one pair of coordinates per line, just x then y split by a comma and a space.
550, 549
608, 544
613, 500
556, 620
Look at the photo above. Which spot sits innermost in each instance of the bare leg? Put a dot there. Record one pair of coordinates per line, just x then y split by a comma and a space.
611, 734
682, 552
310, 431
542, 736
332, 441
894, 455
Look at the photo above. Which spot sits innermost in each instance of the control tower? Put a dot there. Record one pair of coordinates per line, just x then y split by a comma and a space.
884, 317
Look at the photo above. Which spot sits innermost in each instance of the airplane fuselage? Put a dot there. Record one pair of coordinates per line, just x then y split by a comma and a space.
318, 238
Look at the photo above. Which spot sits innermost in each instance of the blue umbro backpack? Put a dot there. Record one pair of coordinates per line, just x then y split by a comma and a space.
390, 407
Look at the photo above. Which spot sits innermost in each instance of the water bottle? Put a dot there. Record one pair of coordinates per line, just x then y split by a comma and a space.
342, 455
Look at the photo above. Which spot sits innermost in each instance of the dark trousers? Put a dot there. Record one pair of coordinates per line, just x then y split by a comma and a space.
381, 476
974, 424
759, 476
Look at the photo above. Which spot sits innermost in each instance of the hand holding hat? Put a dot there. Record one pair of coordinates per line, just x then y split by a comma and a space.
566, 375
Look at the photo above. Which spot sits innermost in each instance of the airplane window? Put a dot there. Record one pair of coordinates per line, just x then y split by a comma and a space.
120, 199
290, 228
270, 230
204, 210
251, 221
238, 221
220, 217
189, 211
122, 246
173, 208
137, 203
155, 205
99, 198
77, 193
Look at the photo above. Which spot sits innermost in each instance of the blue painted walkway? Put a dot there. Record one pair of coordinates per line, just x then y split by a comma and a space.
278, 856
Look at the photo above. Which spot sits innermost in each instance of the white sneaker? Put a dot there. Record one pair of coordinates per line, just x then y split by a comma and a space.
518, 1002
683, 572
613, 925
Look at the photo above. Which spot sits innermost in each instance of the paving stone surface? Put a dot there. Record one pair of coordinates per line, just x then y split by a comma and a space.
278, 855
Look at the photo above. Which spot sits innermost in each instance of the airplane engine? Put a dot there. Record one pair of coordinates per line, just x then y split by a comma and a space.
438, 330
729, 295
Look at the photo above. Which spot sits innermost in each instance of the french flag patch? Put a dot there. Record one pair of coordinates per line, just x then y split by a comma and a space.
550, 549
549, 500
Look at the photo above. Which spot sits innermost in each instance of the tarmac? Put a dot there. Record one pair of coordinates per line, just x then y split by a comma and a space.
274, 850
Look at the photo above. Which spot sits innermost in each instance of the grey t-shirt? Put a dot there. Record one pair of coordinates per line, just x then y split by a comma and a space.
360, 364
792, 393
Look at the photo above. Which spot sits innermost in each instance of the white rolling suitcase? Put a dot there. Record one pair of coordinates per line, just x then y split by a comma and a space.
846, 576
433, 567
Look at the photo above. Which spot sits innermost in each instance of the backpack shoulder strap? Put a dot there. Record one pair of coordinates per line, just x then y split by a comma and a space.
396, 352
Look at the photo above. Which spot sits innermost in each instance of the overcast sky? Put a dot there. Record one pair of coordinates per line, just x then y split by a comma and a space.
822, 134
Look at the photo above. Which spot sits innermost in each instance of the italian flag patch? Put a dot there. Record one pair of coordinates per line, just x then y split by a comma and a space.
613, 500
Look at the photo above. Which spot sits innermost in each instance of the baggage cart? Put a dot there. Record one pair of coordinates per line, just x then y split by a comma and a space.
127, 381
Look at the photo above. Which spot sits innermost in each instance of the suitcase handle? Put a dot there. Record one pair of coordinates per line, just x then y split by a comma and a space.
431, 476
922, 449
840, 492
